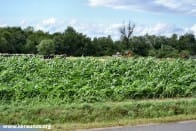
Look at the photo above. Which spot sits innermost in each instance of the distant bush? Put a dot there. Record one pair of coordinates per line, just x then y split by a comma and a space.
167, 51
46, 47
184, 54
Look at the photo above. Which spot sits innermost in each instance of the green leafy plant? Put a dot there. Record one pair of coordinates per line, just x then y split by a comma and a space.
89, 79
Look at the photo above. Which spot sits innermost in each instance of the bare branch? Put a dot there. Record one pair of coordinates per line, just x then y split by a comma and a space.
127, 32
130, 30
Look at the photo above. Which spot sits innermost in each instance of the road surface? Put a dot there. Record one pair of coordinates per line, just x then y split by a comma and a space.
178, 126
17, 129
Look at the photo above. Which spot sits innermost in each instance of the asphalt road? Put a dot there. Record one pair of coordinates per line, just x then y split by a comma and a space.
178, 126
17, 129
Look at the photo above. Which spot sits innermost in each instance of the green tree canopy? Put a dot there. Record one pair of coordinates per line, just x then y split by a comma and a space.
46, 47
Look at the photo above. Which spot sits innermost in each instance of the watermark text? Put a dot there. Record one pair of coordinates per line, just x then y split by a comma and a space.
28, 126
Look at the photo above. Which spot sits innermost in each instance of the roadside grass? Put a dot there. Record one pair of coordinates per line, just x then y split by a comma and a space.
66, 116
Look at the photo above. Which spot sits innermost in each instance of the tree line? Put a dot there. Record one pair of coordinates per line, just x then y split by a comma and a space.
15, 40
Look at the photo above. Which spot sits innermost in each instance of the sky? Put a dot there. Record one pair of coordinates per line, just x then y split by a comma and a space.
97, 18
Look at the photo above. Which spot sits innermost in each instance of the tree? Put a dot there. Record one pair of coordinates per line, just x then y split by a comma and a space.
73, 43
60, 46
187, 42
76, 44
4, 48
30, 47
46, 47
173, 41
140, 46
104, 46
5, 45
17, 38
126, 32
33, 39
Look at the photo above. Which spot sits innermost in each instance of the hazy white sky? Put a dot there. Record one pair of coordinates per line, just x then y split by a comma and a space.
101, 17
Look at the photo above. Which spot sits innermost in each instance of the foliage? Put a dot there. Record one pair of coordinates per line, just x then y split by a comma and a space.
167, 51
70, 42
104, 46
46, 47
96, 79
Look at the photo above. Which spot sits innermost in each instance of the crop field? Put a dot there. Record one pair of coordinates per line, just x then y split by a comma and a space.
90, 79
90, 92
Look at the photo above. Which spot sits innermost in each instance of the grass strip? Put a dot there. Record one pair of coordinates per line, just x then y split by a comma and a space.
90, 115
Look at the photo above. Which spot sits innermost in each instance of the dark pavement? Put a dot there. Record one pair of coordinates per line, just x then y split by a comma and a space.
17, 129
178, 126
